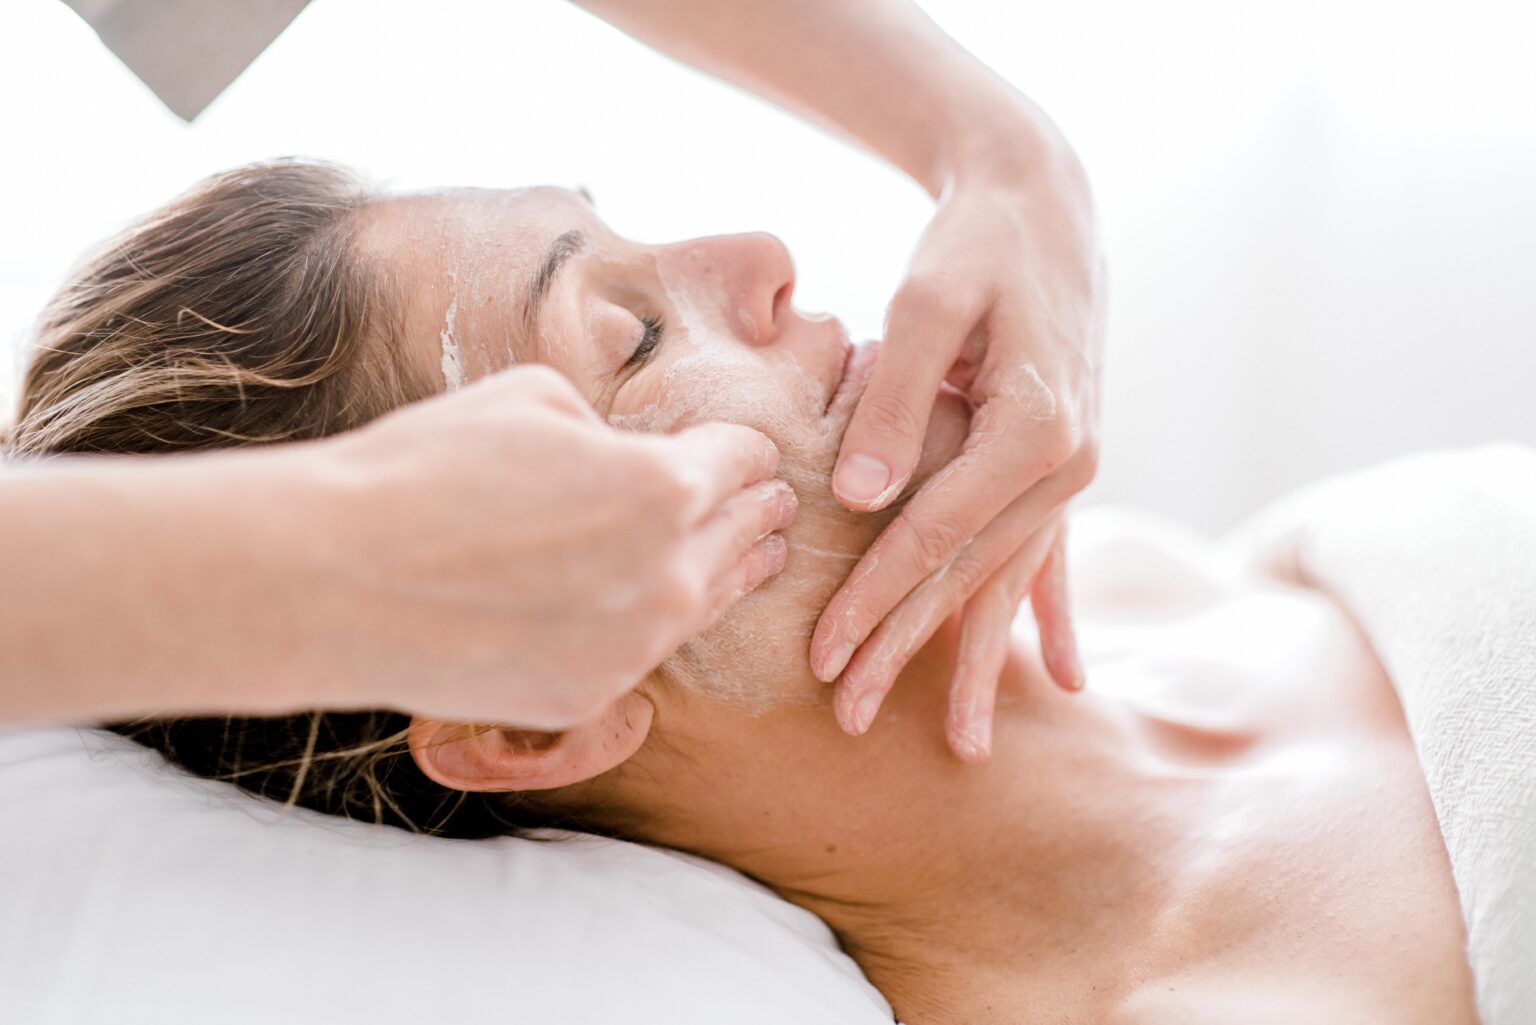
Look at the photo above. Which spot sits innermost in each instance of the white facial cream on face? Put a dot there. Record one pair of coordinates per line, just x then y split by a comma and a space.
714, 368
453, 358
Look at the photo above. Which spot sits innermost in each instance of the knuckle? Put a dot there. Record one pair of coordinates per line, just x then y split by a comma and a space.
672, 488
890, 413
544, 381
652, 650
683, 594
967, 572
1087, 461
936, 540
1056, 451
929, 297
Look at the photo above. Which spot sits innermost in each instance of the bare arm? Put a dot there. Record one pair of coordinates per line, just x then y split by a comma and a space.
877, 71
428, 562
137, 585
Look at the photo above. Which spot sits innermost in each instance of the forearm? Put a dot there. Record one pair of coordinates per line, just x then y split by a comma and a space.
878, 71
130, 586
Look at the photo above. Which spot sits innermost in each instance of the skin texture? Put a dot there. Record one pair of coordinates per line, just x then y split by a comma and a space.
1232, 821
732, 348
1003, 299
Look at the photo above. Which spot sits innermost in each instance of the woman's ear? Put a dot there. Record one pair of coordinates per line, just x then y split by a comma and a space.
462, 756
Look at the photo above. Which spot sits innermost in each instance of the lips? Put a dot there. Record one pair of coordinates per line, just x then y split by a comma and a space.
841, 365
858, 361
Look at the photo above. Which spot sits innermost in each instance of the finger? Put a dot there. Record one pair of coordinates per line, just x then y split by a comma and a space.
874, 668
923, 334
740, 523
985, 630
543, 384
997, 467
984, 634
760, 562
718, 460
1053, 616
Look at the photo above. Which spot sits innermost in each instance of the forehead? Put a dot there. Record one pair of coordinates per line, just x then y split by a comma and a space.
475, 223
461, 259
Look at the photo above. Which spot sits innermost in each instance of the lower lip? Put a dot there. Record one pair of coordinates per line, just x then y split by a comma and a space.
856, 365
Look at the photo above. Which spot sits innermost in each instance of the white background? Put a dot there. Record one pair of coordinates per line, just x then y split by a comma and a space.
1320, 216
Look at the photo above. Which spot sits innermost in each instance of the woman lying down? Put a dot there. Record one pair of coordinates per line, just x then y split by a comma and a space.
1231, 823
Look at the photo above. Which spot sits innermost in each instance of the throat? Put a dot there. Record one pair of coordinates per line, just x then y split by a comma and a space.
1032, 870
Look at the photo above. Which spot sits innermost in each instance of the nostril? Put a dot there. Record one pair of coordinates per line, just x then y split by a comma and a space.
781, 300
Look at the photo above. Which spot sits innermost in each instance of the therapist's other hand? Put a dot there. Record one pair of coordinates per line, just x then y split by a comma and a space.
515, 559
1003, 300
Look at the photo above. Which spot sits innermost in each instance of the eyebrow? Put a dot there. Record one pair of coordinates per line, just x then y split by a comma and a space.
538, 288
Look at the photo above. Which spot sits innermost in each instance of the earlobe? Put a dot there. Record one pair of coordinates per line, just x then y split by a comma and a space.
463, 756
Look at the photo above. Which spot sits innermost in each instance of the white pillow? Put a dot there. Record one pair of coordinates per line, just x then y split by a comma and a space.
131, 891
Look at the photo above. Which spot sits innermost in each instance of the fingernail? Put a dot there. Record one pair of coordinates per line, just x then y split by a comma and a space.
788, 503
835, 663
861, 479
776, 552
864, 711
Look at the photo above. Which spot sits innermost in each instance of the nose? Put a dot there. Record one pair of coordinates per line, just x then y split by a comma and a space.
759, 280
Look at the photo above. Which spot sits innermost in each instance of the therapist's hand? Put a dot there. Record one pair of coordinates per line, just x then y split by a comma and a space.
510, 557
1003, 299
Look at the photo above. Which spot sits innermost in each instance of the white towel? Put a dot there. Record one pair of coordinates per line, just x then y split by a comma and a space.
1435, 557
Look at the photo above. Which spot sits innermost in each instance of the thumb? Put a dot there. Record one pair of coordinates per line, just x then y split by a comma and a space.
884, 439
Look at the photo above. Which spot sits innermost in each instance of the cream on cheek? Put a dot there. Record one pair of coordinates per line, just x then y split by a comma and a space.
756, 659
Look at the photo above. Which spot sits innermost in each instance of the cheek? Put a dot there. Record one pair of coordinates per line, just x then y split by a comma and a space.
758, 657
701, 379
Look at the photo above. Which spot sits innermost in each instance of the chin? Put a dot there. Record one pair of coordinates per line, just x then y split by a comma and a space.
758, 657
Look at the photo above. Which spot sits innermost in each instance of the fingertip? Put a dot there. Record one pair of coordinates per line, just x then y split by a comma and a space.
856, 711
865, 710
775, 553
973, 744
969, 728
763, 561
788, 504
759, 451
1075, 680
829, 657
763, 453
771, 455
834, 662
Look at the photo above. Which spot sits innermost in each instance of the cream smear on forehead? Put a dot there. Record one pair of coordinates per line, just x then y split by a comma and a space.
469, 244
453, 358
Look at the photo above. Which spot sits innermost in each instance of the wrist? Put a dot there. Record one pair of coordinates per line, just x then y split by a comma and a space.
291, 528
1005, 141
322, 533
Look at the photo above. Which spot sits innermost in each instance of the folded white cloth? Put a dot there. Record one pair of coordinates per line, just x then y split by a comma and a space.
1435, 557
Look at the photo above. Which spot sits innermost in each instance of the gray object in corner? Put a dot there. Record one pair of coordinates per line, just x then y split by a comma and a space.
187, 51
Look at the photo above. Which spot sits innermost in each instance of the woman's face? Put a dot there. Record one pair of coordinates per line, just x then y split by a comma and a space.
657, 337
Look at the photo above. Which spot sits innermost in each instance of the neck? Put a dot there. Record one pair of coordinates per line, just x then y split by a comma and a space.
919, 861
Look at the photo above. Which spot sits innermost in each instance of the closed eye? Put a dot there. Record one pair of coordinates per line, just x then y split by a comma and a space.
648, 341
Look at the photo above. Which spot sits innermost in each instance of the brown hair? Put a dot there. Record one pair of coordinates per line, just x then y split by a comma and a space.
243, 313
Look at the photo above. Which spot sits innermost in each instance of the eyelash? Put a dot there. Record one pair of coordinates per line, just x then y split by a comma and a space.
648, 342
